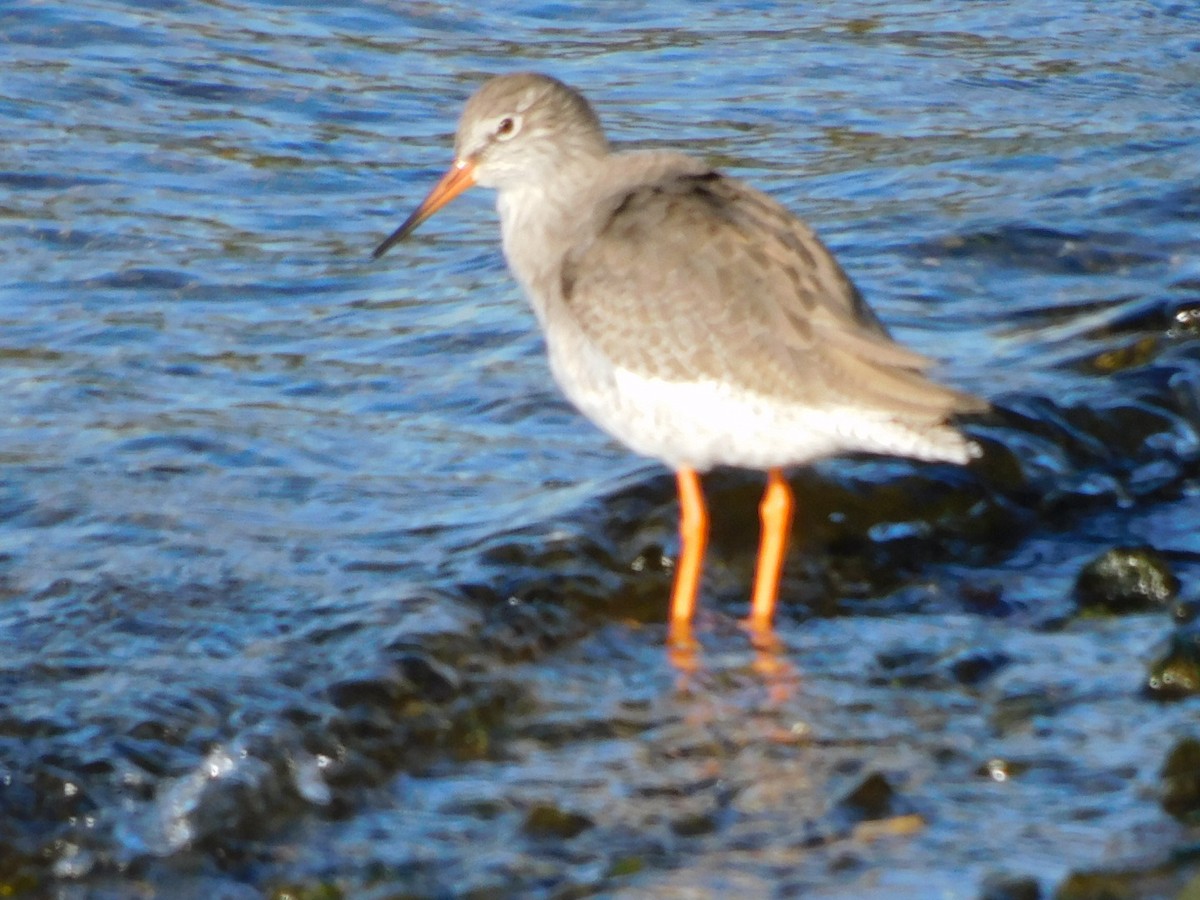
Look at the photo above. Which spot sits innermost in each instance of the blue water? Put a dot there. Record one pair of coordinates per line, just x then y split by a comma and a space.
308, 575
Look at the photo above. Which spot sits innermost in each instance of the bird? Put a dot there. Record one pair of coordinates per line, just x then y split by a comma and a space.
690, 316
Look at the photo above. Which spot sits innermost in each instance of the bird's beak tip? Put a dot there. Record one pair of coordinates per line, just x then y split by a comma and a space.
457, 179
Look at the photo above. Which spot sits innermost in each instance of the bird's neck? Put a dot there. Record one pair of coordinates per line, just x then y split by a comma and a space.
538, 221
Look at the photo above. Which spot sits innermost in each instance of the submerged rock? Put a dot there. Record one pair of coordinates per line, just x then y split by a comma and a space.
1176, 674
1125, 580
872, 798
548, 820
1181, 782
1185, 610
1099, 886
1002, 886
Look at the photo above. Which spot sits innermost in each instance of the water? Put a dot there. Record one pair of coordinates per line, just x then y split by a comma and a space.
310, 577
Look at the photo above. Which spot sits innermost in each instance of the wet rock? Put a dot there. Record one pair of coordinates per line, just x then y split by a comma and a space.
1125, 580
1154, 879
47, 792
869, 810
846, 862
409, 715
410, 677
1176, 674
923, 668
872, 798
316, 891
1002, 886
432, 680
546, 820
977, 666
1181, 782
986, 600
1185, 610
1191, 890
19, 875
526, 627
915, 668
694, 824
626, 865
385, 689
1098, 886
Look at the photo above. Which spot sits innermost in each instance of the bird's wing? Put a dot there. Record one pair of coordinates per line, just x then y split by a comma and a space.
698, 272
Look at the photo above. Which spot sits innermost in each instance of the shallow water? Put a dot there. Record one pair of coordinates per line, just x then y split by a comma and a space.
312, 580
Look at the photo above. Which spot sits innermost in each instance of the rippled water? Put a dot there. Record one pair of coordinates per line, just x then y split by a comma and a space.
312, 581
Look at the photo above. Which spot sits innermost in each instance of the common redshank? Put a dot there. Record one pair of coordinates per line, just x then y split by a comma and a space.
690, 316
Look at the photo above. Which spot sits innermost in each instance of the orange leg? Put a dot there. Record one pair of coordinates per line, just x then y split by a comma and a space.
776, 513
693, 535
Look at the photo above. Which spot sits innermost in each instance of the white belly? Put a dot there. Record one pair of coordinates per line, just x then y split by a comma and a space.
701, 424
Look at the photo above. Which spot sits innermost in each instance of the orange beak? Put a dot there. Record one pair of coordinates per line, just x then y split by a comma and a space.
457, 179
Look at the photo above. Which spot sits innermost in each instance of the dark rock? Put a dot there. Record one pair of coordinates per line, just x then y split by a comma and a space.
522, 629
693, 824
871, 798
1098, 886
545, 820
1185, 610
914, 668
320, 890
1002, 886
1181, 781
977, 666
20, 874
846, 862
986, 600
1176, 674
1125, 580
432, 680
411, 676
626, 865
383, 689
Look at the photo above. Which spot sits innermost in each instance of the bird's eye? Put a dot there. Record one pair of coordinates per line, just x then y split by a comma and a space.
507, 128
